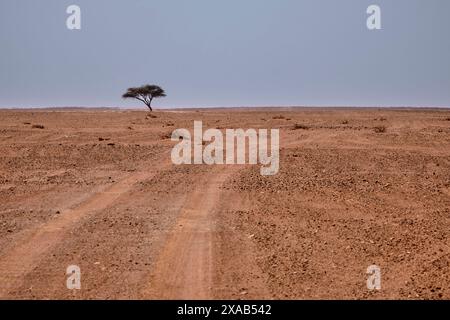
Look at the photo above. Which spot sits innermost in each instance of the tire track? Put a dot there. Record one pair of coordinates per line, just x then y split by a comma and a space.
184, 267
25, 255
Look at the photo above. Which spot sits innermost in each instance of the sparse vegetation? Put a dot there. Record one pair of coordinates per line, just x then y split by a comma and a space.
344, 122
299, 126
278, 118
380, 129
167, 135
37, 126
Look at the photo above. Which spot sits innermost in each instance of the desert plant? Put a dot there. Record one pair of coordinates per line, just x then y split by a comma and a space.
300, 126
145, 94
37, 126
380, 129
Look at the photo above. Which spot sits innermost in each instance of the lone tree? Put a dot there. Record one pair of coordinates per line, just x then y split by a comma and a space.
145, 94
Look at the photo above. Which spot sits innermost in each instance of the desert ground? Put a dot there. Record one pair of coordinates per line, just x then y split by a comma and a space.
96, 188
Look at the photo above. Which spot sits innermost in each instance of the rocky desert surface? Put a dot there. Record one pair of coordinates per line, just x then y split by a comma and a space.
96, 188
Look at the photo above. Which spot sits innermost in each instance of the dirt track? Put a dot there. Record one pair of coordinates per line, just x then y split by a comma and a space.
185, 267
97, 189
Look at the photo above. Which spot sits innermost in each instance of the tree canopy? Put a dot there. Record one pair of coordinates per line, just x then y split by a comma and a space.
145, 93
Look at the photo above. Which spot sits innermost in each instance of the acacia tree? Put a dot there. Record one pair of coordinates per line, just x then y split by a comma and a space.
145, 94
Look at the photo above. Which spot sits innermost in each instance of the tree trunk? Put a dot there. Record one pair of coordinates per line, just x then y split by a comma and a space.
149, 104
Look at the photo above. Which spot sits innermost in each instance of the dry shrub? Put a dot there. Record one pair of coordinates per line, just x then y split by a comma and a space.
166, 136
380, 129
298, 126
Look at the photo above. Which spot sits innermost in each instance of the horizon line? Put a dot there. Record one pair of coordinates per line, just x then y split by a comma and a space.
227, 107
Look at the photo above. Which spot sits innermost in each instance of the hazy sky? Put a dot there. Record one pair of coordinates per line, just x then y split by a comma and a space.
225, 52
